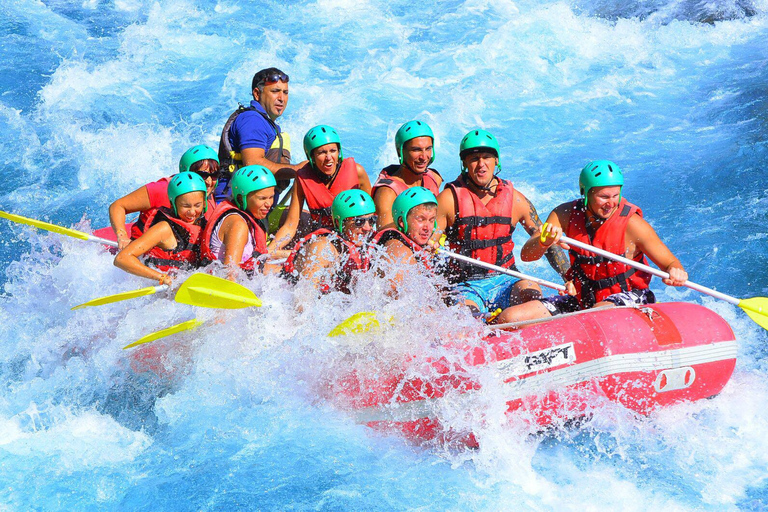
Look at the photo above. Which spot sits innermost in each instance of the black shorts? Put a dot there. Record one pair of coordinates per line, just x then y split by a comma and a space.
562, 304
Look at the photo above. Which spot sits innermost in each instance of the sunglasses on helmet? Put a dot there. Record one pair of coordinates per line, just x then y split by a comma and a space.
272, 78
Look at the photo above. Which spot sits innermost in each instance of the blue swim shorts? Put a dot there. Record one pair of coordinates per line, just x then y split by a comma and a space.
490, 293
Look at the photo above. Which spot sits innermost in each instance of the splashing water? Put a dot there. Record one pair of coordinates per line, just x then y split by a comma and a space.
99, 98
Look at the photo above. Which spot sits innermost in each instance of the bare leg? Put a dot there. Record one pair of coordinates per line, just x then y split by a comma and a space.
528, 311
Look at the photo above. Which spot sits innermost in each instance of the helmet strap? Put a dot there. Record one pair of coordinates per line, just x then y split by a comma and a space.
486, 188
414, 171
324, 177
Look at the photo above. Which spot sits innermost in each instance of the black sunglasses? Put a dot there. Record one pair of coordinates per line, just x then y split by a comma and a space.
362, 221
273, 78
206, 175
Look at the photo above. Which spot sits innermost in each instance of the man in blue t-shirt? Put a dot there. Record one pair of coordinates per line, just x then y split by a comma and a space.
251, 135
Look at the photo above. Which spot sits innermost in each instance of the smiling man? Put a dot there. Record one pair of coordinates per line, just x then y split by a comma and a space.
251, 135
414, 143
478, 213
606, 220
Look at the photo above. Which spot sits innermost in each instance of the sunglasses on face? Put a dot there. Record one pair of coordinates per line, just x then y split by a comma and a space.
273, 78
206, 175
359, 222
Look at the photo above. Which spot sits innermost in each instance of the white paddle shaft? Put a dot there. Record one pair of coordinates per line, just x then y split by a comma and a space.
502, 270
650, 270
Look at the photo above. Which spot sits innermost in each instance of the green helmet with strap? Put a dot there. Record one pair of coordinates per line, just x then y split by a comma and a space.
318, 136
184, 183
410, 131
600, 173
351, 203
406, 201
195, 154
478, 141
250, 179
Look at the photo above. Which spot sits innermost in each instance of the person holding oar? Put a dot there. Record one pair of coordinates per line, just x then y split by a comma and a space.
478, 213
606, 220
172, 241
326, 174
236, 232
201, 160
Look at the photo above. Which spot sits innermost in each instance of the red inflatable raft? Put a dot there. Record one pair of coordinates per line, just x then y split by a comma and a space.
555, 371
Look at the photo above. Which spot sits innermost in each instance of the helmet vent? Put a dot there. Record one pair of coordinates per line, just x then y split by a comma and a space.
598, 174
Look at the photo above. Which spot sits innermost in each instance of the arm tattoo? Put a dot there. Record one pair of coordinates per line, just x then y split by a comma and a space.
558, 260
556, 256
534, 217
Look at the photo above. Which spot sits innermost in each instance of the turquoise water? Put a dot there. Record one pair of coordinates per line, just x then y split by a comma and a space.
100, 97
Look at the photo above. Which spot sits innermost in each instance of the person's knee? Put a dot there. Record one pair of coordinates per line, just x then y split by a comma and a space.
528, 311
525, 291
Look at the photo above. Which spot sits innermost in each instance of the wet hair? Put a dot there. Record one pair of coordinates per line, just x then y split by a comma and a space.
207, 165
427, 206
260, 78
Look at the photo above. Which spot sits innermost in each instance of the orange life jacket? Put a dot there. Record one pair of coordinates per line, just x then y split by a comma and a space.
480, 231
319, 197
597, 277
353, 260
256, 228
187, 251
428, 181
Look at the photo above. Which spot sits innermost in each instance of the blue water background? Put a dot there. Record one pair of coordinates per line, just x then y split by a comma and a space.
101, 97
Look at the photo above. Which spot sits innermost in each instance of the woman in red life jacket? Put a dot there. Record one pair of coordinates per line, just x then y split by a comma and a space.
330, 259
414, 212
201, 159
414, 142
326, 175
607, 221
236, 232
172, 240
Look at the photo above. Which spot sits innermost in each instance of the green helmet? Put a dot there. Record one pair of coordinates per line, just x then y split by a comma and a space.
351, 203
318, 136
476, 141
407, 200
184, 183
599, 173
250, 179
195, 154
410, 131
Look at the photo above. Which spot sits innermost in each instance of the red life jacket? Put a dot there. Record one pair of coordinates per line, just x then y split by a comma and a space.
353, 260
140, 226
319, 197
256, 228
483, 232
187, 250
596, 277
428, 181
385, 235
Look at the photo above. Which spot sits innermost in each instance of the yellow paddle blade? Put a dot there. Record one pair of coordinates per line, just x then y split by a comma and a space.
183, 326
757, 309
365, 321
109, 299
274, 217
44, 225
208, 291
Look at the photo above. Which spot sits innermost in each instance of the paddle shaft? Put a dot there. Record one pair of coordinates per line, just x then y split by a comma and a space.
502, 270
57, 229
650, 270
